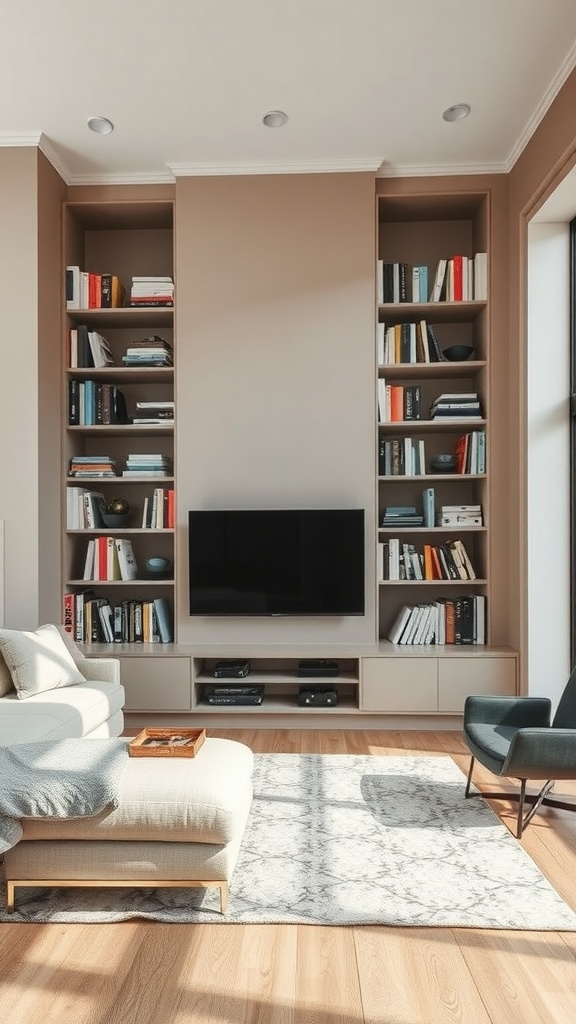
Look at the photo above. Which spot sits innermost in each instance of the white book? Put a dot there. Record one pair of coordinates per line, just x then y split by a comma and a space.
380, 342
383, 415
422, 630
126, 559
72, 287
480, 610
438, 281
399, 625
380, 561
88, 573
481, 276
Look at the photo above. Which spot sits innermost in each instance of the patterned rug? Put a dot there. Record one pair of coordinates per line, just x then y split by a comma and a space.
346, 840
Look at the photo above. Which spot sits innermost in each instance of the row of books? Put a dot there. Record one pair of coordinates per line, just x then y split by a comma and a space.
152, 291
92, 403
447, 620
398, 402
407, 343
88, 348
457, 278
401, 456
110, 558
92, 619
397, 560
84, 509
408, 516
87, 290
470, 452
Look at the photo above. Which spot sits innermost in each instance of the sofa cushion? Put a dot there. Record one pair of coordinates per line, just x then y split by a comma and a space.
202, 799
38, 661
6, 684
56, 714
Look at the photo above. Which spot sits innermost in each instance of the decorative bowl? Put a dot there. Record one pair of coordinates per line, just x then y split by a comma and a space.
114, 520
458, 353
444, 463
158, 567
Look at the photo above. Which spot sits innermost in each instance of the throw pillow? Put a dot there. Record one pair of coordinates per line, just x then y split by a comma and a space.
38, 661
6, 684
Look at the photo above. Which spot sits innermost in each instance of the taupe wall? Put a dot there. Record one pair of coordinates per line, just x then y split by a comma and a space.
275, 348
19, 416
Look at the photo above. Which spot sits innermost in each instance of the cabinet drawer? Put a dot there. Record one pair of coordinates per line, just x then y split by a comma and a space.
399, 684
459, 677
156, 684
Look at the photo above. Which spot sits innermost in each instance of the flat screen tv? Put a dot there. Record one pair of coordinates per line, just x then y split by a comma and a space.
276, 562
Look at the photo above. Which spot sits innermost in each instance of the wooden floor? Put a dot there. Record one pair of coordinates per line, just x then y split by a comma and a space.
151, 973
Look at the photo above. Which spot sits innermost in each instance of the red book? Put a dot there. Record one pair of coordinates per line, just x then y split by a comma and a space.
396, 403
68, 611
171, 510
102, 544
457, 280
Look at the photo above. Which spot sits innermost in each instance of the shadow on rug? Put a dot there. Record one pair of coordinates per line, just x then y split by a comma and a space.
343, 840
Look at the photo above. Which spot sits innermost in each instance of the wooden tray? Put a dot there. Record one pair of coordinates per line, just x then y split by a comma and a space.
156, 743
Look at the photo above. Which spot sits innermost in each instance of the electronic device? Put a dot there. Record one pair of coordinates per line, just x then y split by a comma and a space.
318, 667
231, 669
317, 697
254, 696
276, 562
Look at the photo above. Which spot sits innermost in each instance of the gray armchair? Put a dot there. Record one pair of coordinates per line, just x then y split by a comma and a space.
514, 737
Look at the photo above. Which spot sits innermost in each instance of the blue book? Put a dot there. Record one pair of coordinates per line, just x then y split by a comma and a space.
428, 507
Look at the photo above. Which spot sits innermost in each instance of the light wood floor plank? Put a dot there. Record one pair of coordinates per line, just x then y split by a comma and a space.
416, 976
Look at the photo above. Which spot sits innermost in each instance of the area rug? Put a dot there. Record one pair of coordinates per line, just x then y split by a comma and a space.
349, 840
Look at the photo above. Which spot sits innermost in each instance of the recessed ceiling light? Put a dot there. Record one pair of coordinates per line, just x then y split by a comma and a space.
457, 112
100, 125
275, 119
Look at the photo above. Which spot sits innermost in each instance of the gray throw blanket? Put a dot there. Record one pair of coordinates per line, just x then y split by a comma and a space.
67, 778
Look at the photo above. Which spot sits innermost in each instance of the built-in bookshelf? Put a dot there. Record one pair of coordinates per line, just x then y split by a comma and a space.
119, 434
433, 420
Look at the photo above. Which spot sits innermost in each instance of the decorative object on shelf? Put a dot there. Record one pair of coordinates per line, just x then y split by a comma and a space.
458, 353
444, 463
116, 514
158, 567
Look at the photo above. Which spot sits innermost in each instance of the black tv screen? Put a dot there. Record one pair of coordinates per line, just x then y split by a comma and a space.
276, 562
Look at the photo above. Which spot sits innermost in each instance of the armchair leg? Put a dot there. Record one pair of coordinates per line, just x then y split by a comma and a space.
469, 779
540, 799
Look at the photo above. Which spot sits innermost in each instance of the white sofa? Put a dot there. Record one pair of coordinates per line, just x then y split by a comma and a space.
90, 704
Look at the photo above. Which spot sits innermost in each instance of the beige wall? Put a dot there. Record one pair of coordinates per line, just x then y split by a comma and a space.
19, 419
275, 380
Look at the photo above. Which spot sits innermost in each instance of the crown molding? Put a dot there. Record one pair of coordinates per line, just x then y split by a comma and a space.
15, 139
54, 157
127, 178
550, 95
437, 170
369, 163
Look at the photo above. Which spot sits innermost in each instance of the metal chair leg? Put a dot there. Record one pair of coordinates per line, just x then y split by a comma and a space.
546, 788
469, 779
520, 822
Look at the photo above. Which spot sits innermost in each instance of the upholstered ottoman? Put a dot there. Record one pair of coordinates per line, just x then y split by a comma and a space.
179, 823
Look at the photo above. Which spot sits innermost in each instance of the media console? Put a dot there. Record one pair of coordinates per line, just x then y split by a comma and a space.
376, 686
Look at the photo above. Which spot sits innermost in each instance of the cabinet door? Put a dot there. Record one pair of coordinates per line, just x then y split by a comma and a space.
156, 684
459, 677
399, 684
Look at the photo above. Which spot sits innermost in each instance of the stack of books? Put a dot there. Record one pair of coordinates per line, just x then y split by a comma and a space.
152, 291
464, 405
470, 452
92, 466
401, 515
154, 412
461, 515
152, 351
138, 464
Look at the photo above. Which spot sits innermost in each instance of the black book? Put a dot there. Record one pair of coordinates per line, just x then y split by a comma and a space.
464, 619
118, 410
433, 345
106, 291
73, 403
85, 357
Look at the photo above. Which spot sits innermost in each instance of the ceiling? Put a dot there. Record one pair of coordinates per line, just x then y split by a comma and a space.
364, 83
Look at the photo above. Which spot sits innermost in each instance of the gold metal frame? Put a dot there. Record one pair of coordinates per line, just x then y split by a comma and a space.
123, 883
